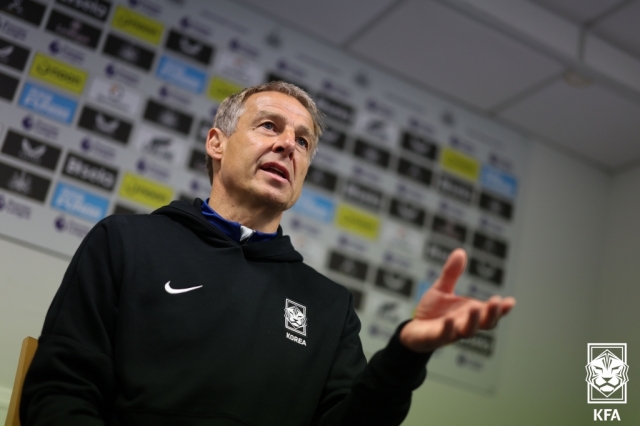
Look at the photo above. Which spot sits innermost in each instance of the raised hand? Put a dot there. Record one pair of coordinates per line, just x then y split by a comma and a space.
443, 317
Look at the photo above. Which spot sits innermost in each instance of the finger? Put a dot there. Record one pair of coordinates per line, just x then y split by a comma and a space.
470, 326
507, 304
451, 271
492, 313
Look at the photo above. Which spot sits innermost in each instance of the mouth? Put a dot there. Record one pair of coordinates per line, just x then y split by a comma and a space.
276, 169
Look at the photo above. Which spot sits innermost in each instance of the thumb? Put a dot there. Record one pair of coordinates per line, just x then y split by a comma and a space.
451, 271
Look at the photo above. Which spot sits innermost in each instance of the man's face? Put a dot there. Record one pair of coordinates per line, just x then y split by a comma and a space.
264, 162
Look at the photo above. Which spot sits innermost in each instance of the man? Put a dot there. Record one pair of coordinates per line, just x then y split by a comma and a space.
204, 314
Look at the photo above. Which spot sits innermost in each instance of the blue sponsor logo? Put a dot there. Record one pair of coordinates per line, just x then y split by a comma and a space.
50, 104
181, 74
315, 206
79, 202
499, 182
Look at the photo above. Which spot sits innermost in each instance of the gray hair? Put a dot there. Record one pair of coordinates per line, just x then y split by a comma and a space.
232, 108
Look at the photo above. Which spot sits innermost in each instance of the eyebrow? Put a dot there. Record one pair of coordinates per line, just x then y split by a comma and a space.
301, 129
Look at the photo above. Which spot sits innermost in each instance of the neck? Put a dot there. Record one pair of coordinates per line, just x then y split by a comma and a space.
260, 218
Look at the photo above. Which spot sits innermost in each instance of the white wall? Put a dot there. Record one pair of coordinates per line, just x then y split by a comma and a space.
558, 286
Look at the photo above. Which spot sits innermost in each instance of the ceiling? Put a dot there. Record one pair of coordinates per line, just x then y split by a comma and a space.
565, 72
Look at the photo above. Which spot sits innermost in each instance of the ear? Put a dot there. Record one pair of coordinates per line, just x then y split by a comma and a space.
216, 143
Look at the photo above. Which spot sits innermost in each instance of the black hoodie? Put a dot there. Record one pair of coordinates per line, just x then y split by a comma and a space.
122, 346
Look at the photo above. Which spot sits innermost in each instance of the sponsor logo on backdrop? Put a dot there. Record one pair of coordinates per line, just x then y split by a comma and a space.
115, 95
197, 162
460, 164
437, 252
170, 94
14, 208
295, 317
145, 191
379, 108
482, 343
27, 10
415, 172
363, 195
490, 245
189, 24
394, 281
486, 270
347, 265
14, 31
407, 212
121, 74
23, 183
238, 68
120, 209
181, 74
455, 188
357, 221
202, 131
335, 110
372, 154
78, 202
98, 149
151, 169
129, 52
58, 73
421, 126
449, 228
168, 117
496, 206
160, 145
353, 244
499, 182
401, 238
239, 46
391, 257
500, 162
31, 150
189, 47
148, 7
607, 374
359, 170
90, 172
8, 86
298, 74
418, 145
13, 55
338, 89
315, 206
377, 127
47, 103
333, 138
322, 178
98, 9
220, 89
73, 29
105, 125
71, 227
66, 52
137, 25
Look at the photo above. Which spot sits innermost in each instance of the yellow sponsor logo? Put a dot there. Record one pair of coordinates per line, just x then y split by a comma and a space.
145, 191
220, 89
58, 73
137, 25
357, 221
460, 164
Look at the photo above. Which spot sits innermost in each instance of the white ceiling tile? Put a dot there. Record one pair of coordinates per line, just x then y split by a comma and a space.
593, 121
445, 50
331, 20
580, 11
622, 28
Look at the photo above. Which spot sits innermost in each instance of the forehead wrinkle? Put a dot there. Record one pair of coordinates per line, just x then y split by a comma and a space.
301, 129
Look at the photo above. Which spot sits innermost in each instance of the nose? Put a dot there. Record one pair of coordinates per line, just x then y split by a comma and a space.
286, 143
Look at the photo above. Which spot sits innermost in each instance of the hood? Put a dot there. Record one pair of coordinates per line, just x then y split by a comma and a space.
190, 216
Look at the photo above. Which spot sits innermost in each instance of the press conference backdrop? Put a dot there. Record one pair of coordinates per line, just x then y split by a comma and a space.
105, 106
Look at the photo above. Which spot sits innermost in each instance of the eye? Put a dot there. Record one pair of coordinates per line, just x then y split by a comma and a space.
268, 125
302, 142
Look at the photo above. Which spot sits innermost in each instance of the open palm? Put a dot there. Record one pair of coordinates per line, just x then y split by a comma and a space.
442, 317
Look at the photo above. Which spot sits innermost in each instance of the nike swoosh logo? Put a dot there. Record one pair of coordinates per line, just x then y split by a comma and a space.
170, 290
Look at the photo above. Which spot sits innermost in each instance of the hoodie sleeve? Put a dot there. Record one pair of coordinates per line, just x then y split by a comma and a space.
71, 380
381, 393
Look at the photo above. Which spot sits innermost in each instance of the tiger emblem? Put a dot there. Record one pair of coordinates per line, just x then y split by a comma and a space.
607, 373
295, 317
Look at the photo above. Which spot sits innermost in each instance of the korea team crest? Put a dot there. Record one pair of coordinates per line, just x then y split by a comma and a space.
607, 373
295, 317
